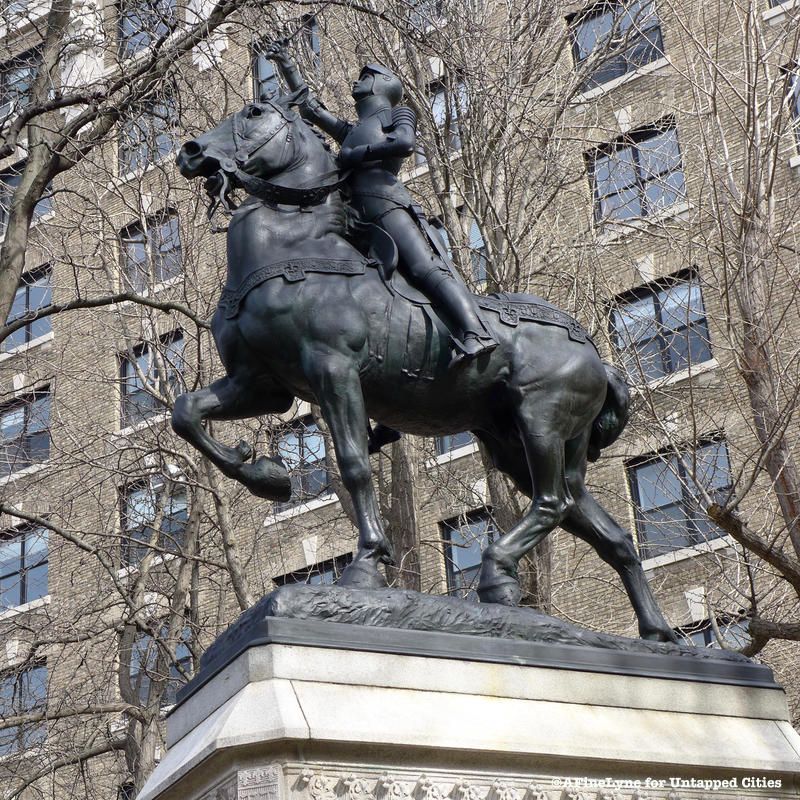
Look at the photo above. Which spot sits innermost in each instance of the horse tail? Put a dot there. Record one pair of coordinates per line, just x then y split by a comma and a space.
613, 416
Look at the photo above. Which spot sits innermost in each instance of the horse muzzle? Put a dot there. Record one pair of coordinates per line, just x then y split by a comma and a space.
195, 161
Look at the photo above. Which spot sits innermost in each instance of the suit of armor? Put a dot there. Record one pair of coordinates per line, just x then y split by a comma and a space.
374, 149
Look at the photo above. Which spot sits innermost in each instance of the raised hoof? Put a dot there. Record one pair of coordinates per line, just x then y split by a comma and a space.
267, 478
362, 574
504, 594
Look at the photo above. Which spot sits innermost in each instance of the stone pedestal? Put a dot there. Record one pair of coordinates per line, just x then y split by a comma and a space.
326, 711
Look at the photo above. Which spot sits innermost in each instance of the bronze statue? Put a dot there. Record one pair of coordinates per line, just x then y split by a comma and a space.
306, 314
373, 149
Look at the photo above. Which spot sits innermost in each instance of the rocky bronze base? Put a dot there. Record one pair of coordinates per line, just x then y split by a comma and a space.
407, 622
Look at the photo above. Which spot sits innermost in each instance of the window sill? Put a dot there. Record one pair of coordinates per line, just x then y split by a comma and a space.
25, 607
151, 291
654, 66
300, 509
23, 473
18, 22
613, 231
687, 552
156, 419
794, 162
133, 569
453, 455
682, 375
777, 15
23, 348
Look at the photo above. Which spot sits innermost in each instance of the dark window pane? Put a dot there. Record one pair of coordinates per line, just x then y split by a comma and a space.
302, 447
669, 500
446, 444
323, 573
465, 539
24, 432
144, 22
143, 506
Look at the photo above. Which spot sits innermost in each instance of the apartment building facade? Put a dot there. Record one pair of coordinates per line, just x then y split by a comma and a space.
601, 156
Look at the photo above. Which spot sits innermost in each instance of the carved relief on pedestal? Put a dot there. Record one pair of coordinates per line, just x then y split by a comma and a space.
260, 783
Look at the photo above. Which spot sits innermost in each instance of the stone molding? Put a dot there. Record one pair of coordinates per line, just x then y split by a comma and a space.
297, 781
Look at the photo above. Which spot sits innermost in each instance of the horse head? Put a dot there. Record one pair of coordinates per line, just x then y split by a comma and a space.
263, 140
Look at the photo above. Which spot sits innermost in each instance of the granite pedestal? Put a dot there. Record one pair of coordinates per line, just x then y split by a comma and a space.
328, 711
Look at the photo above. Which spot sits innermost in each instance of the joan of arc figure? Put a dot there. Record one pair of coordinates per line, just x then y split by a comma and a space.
374, 148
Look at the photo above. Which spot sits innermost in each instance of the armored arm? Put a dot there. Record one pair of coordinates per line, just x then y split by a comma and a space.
311, 108
398, 143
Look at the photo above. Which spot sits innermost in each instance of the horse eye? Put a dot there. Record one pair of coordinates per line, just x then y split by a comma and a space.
255, 111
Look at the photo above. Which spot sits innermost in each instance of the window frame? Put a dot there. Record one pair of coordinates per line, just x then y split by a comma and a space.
27, 402
258, 82
310, 34
24, 533
177, 665
10, 178
149, 230
444, 445
175, 369
654, 290
28, 281
172, 528
330, 567
705, 629
143, 140
148, 37
302, 472
793, 99
633, 141
617, 62
10, 100
18, 738
691, 535
455, 102
456, 585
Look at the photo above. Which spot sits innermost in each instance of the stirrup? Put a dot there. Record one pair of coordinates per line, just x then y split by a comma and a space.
471, 346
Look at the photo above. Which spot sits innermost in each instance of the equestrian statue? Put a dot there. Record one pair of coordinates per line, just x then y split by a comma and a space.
339, 292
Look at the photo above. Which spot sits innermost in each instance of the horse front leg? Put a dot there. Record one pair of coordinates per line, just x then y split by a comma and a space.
334, 380
228, 399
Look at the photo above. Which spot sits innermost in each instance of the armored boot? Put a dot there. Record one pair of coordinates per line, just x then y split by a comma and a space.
458, 310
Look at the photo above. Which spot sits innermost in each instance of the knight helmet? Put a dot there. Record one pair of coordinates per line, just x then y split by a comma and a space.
386, 83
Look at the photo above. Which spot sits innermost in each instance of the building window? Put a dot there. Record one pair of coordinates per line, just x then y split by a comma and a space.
661, 329
150, 377
147, 133
35, 291
735, 632
479, 261
21, 693
311, 39
302, 447
449, 103
151, 252
667, 497
16, 81
126, 791
143, 23
446, 444
793, 99
150, 661
615, 39
9, 181
266, 81
325, 573
639, 175
148, 506
23, 566
465, 538
25, 432
426, 14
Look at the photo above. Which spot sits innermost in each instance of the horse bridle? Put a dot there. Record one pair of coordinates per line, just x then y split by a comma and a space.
266, 191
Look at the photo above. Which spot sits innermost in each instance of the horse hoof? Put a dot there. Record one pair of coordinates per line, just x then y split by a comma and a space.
244, 450
507, 593
362, 574
659, 634
267, 478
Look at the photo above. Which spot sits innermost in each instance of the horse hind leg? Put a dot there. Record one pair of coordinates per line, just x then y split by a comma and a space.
589, 521
227, 399
550, 503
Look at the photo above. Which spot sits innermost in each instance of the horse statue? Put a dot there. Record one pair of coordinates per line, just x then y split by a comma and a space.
305, 314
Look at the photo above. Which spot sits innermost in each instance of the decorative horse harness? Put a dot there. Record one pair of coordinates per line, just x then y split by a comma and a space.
220, 186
